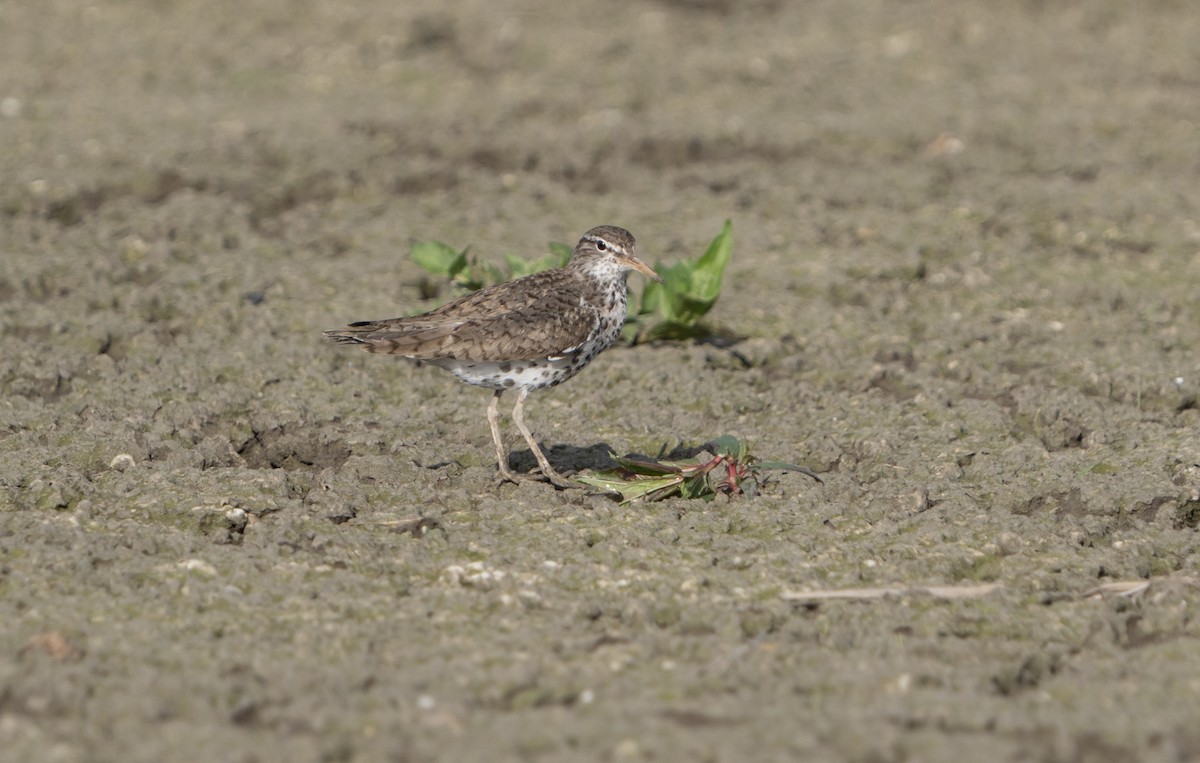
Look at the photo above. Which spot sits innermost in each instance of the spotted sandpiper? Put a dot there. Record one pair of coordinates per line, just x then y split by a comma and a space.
533, 332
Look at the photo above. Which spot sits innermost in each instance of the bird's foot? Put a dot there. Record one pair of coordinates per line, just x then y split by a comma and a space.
553, 477
562, 483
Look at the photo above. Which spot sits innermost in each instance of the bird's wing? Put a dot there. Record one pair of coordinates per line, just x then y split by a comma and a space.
495, 324
555, 326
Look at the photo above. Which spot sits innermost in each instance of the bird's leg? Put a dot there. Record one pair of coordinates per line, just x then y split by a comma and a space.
506, 474
493, 417
547, 470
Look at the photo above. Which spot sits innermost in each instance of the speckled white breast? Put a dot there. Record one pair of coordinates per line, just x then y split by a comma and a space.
511, 374
529, 374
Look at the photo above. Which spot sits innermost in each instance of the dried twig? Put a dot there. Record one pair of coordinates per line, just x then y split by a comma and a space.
871, 594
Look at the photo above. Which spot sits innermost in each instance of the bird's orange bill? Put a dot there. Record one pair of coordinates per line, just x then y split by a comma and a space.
641, 267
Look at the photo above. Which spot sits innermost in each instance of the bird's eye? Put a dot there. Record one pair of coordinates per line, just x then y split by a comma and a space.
601, 245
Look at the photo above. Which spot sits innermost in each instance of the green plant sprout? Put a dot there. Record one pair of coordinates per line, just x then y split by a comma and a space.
689, 290
673, 310
466, 273
724, 466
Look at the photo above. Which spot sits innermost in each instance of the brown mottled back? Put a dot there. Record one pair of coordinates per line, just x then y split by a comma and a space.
542, 314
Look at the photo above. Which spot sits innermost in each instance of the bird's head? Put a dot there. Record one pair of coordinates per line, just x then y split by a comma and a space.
609, 251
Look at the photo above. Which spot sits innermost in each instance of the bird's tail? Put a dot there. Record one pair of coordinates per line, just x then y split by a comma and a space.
395, 337
345, 337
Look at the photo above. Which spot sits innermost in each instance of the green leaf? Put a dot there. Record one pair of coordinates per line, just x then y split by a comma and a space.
518, 267
646, 466
726, 445
689, 310
549, 262
696, 487
701, 476
561, 253
676, 279
652, 295
631, 489
460, 263
690, 288
611, 482
480, 276
710, 268
438, 258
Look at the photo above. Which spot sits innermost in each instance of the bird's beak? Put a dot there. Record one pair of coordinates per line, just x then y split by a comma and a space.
641, 267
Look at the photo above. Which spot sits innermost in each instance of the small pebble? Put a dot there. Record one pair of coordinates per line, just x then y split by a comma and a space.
198, 565
237, 519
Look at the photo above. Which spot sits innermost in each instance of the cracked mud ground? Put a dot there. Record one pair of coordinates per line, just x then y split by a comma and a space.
966, 260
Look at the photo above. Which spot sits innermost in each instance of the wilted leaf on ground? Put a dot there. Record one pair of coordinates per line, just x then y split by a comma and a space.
722, 466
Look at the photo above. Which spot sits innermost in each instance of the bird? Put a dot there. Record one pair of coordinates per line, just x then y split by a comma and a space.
522, 335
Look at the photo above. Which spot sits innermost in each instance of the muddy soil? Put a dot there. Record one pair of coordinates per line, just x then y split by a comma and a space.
966, 260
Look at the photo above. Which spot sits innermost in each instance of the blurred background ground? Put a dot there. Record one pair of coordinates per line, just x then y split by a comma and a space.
966, 259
